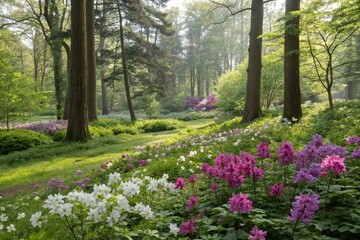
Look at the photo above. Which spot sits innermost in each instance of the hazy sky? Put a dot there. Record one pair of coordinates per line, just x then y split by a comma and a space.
178, 3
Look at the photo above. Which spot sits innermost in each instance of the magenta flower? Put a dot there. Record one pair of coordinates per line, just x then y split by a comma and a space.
180, 183
189, 227
192, 179
356, 153
257, 234
78, 172
86, 180
143, 163
214, 187
263, 150
240, 203
259, 173
286, 153
353, 140
304, 208
36, 186
130, 165
276, 190
192, 202
333, 163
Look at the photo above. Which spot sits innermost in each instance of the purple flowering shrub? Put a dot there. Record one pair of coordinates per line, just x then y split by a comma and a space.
207, 104
50, 127
191, 102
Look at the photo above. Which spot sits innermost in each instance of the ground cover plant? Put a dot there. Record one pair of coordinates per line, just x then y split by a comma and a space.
272, 179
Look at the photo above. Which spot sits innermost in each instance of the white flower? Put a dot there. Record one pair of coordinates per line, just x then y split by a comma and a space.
130, 189
102, 191
182, 158
114, 178
11, 228
64, 209
1, 227
3, 217
21, 215
2, 208
113, 217
191, 170
144, 211
37, 198
35, 220
93, 215
123, 203
182, 168
174, 229
53, 201
192, 153
153, 185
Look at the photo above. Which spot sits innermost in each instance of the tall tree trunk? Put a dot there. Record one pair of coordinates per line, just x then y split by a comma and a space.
125, 68
252, 102
58, 76
292, 95
104, 98
78, 116
91, 64
68, 68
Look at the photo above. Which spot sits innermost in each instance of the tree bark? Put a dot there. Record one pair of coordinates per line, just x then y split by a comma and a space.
78, 116
252, 102
125, 68
91, 64
104, 98
292, 94
58, 76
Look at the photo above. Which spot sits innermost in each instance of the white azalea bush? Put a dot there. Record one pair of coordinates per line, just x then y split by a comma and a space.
118, 209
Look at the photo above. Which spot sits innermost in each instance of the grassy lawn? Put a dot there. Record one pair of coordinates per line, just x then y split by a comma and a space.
61, 160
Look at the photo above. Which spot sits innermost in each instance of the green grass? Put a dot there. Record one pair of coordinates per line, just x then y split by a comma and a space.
61, 160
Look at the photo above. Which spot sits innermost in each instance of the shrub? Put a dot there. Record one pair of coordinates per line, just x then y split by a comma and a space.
19, 139
230, 89
44, 127
121, 129
191, 102
159, 125
207, 104
100, 131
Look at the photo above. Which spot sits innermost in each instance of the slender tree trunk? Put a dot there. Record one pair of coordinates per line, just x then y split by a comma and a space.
104, 98
91, 64
252, 102
292, 95
68, 68
58, 76
125, 68
78, 116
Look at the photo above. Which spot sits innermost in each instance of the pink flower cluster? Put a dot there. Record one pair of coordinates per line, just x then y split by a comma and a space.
276, 190
286, 153
263, 150
56, 184
240, 203
304, 208
257, 234
233, 168
192, 202
189, 227
334, 163
180, 183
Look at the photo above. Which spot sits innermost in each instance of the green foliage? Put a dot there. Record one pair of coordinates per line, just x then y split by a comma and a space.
159, 125
18, 139
151, 105
18, 98
231, 89
105, 127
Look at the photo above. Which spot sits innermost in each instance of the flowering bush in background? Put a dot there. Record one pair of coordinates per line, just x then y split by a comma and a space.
50, 127
207, 104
